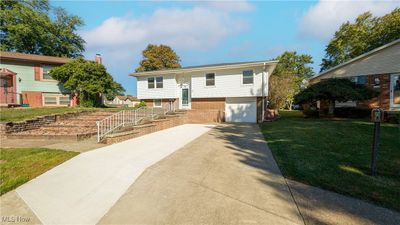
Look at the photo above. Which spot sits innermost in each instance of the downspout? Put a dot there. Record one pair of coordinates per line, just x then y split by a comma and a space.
263, 95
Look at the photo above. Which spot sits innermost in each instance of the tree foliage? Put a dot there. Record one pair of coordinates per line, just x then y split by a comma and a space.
365, 34
287, 78
35, 27
158, 57
89, 80
334, 89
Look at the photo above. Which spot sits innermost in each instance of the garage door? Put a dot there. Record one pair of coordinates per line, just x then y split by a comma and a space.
241, 110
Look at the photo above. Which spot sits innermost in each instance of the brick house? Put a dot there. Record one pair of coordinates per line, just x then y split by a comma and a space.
379, 69
232, 92
25, 79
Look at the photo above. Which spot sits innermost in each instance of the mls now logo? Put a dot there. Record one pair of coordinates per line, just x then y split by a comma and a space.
15, 219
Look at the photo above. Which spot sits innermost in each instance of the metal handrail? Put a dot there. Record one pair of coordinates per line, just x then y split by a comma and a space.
126, 117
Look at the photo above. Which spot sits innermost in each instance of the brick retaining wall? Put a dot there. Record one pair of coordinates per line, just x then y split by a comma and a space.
13, 127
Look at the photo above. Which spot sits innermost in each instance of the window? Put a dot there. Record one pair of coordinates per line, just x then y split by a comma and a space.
46, 73
360, 79
210, 79
50, 99
159, 82
150, 82
248, 76
157, 102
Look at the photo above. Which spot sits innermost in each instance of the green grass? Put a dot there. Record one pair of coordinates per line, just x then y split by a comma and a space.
19, 114
336, 155
19, 165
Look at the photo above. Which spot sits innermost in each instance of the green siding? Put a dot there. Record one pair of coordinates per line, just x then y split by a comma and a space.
25, 71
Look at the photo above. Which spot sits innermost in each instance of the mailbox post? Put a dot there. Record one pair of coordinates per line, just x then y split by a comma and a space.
377, 118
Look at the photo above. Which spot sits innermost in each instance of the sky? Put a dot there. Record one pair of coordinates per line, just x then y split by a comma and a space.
207, 32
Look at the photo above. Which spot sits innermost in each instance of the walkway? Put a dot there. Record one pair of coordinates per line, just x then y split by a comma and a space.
83, 189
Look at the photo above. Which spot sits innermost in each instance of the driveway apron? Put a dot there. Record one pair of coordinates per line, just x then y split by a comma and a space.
83, 189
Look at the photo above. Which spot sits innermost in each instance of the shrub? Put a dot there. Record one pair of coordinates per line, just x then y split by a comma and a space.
352, 112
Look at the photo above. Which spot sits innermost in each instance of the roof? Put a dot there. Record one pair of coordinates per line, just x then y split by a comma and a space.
33, 58
233, 65
7, 72
357, 58
124, 98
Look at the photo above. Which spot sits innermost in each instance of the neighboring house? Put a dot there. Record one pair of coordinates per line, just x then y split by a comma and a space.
25, 79
125, 100
238, 90
378, 69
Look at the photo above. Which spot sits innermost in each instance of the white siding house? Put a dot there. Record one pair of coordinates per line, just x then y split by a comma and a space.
237, 89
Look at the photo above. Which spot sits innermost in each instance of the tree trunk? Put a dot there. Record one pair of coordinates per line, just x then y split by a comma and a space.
331, 108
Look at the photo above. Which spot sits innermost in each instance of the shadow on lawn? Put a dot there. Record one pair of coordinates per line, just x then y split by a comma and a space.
316, 206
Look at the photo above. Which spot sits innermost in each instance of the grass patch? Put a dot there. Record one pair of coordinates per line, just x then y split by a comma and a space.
336, 155
19, 165
19, 114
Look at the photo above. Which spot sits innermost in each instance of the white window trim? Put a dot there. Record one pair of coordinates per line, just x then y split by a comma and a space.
252, 84
154, 103
57, 96
42, 75
205, 82
155, 82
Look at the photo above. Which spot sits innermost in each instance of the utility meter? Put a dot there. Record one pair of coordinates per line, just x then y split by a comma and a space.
377, 115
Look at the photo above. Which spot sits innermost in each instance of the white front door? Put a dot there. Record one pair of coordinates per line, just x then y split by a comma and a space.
241, 110
395, 90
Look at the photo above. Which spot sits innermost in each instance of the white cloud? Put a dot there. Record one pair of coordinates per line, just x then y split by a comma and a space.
121, 39
195, 28
230, 5
325, 17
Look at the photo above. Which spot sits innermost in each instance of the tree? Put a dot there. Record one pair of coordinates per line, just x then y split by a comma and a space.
87, 79
332, 90
27, 27
365, 34
158, 57
287, 78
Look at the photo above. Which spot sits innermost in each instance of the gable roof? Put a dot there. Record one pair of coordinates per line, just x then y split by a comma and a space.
233, 65
33, 58
356, 59
124, 98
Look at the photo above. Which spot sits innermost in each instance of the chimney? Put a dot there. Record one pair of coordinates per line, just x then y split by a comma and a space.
98, 58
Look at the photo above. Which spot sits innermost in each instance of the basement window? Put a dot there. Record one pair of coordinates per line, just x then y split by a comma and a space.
157, 102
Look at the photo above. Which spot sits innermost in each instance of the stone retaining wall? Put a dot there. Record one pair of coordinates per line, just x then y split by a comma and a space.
13, 127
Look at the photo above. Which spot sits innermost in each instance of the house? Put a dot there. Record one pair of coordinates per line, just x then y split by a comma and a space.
237, 92
125, 100
25, 79
378, 69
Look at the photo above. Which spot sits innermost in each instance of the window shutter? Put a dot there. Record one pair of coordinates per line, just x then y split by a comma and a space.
37, 72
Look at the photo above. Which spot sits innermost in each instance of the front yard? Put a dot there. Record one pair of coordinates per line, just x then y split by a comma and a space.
336, 155
19, 114
19, 165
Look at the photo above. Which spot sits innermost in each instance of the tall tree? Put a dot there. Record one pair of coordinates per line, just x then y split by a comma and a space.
158, 57
87, 79
288, 77
27, 27
365, 34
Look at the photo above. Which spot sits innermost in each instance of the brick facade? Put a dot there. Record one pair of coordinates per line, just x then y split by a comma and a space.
208, 103
33, 98
383, 99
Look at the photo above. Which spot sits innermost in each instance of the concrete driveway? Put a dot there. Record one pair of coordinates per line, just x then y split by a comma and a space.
83, 189
226, 176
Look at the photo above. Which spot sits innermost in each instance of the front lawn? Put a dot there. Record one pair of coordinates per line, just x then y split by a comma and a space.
19, 114
19, 165
336, 155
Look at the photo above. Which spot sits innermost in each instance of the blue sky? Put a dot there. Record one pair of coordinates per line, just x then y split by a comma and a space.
204, 32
